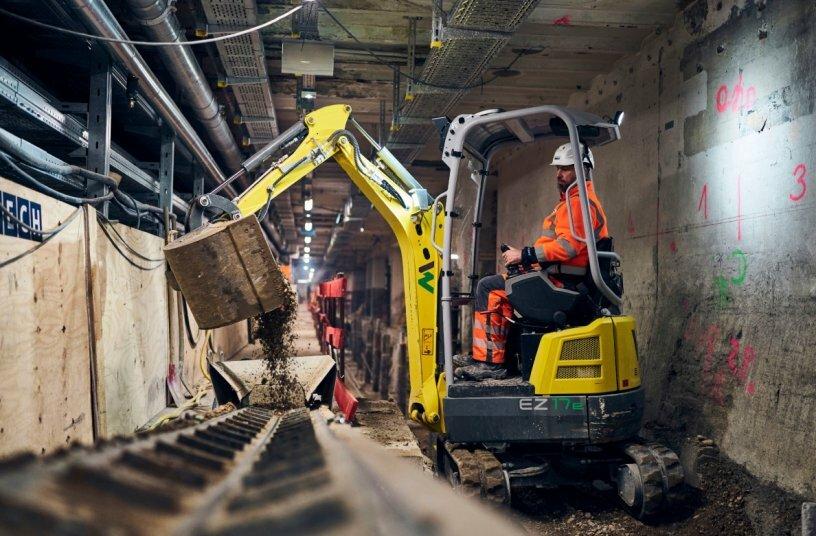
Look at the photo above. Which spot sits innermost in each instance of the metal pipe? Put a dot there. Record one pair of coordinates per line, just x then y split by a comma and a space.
98, 18
161, 24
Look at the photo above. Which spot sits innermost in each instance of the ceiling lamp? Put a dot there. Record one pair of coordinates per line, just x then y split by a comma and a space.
307, 57
308, 239
308, 204
308, 226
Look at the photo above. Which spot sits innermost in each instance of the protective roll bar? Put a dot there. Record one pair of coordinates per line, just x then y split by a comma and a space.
593, 129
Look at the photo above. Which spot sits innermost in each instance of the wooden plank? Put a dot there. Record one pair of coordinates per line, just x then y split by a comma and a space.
130, 325
44, 365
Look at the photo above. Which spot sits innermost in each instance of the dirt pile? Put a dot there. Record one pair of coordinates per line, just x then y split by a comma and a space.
279, 388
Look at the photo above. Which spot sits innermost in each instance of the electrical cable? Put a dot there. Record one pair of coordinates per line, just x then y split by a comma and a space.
409, 77
150, 43
124, 242
185, 310
74, 200
51, 233
125, 256
202, 357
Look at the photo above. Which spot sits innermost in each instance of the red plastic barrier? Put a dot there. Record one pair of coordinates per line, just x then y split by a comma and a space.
345, 400
335, 337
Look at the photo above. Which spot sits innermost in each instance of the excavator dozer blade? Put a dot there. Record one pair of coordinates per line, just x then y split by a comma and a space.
226, 272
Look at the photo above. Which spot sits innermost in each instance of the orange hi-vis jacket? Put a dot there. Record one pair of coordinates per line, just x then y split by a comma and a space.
556, 243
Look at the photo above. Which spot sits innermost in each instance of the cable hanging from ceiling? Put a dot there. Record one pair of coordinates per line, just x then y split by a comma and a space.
150, 43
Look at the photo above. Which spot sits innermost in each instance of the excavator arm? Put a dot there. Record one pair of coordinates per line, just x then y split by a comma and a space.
405, 207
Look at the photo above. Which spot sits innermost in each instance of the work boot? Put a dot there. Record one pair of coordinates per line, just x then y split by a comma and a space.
462, 361
479, 371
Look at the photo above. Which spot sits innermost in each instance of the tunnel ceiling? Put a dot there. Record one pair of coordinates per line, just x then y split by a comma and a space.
557, 49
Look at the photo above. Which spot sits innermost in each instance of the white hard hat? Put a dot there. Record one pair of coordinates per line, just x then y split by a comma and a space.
563, 156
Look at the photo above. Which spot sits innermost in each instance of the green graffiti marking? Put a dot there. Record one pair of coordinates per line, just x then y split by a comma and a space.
724, 284
425, 281
743, 267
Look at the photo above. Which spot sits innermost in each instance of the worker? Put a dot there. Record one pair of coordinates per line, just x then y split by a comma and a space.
556, 244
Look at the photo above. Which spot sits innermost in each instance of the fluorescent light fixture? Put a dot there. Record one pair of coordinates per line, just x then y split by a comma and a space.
362, 229
308, 226
308, 94
307, 249
307, 57
454, 257
619, 117
308, 204
307, 239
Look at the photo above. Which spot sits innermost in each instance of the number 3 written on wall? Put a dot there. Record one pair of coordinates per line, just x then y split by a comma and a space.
800, 176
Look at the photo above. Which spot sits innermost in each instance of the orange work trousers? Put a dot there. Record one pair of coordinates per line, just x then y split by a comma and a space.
490, 328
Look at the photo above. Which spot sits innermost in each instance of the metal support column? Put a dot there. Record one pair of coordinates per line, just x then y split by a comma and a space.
99, 122
198, 180
396, 100
166, 165
382, 136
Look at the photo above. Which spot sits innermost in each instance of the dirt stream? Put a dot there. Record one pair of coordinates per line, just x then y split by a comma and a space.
279, 389
732, 502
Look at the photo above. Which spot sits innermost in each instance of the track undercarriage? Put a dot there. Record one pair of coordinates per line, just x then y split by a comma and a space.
647, 476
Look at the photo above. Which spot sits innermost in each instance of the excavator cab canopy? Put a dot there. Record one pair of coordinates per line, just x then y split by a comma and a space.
479, 136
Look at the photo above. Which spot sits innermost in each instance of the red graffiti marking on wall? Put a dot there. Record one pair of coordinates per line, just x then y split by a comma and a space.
630, 224
800, 174
717, 365
739, 209
673, 246
737, 98
703, 204
740, 370
710, 339
566, 20
716, 392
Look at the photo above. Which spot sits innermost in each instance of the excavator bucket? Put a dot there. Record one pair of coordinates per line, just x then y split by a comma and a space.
226, 272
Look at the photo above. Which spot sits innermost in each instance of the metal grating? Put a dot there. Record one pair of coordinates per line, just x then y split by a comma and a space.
575, 372
458, 62
244, 57
585, 348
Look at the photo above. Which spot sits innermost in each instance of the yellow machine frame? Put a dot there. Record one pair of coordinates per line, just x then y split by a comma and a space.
327, 137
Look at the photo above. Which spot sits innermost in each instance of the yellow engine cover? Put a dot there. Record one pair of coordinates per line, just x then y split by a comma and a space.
598, 358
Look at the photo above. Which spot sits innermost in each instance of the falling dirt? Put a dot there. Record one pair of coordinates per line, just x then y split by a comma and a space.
279, 388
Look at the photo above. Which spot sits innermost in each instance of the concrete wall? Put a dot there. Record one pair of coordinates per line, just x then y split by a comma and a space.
708, 195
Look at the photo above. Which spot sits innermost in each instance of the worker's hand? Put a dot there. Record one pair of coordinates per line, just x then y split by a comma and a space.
511, 256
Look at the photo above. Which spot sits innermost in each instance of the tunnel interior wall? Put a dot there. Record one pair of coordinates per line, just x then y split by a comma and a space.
708, 195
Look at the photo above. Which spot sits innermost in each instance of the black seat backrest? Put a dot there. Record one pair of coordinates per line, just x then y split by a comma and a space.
536, 298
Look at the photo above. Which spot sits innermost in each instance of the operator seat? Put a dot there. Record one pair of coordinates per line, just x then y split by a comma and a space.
537, 299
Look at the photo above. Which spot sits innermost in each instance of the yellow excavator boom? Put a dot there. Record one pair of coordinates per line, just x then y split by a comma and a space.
404, 206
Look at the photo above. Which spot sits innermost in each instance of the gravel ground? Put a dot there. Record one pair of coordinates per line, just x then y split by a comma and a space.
732, 502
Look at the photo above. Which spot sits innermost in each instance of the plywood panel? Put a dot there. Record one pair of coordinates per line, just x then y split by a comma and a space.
130, 325
45, 388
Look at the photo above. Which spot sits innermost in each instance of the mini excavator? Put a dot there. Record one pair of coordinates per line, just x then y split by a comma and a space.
574, 407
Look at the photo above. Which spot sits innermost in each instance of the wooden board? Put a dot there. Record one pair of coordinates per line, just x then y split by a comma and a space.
130, 325
45, 387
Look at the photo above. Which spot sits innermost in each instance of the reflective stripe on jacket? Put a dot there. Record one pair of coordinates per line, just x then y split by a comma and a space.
556, 243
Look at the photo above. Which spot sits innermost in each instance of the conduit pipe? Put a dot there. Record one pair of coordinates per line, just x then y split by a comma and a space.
161, 24
98, 18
